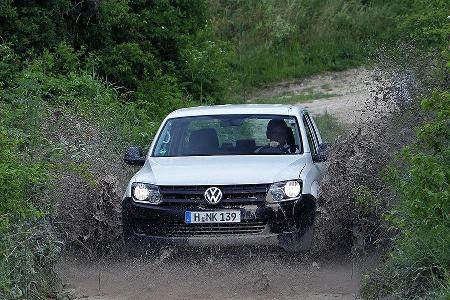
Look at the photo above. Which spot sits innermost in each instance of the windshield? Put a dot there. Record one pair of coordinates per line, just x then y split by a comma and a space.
229, 135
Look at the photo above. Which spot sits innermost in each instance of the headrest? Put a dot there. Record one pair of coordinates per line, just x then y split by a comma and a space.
203, 141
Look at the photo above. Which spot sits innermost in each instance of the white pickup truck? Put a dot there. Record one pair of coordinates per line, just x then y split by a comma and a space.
226, 175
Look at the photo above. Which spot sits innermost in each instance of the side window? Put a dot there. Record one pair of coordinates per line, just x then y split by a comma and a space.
312, 139
314, 128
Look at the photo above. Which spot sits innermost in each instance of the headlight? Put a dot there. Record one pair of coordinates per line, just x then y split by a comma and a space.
283, 191
292, 189
146, 193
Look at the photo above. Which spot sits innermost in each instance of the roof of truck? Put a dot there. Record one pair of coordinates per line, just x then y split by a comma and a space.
235, 109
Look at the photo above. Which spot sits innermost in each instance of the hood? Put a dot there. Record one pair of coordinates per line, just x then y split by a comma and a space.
220, 170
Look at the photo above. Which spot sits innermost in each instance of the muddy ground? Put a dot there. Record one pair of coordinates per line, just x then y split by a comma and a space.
237, 273
226, 274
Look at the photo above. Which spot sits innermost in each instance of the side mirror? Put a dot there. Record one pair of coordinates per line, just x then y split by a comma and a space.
319, 157
322, 156
324, 147
134, 156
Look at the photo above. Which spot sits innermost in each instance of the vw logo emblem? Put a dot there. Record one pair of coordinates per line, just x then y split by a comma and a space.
213, 195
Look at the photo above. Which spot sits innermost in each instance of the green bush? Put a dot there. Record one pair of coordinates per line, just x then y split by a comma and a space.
28, 252
27, 245
16, 182
45, 80
33, 25
425, 22
419, 264
127, 64
205, 70
9, 65
126, 42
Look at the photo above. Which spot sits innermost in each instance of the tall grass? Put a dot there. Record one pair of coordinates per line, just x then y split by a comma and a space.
330, 128
279, 40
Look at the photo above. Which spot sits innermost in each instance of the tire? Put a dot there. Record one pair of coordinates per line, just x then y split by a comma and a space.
132, 245
298, 242
302, 240
135, 246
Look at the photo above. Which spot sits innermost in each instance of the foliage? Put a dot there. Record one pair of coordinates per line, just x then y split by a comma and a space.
27, 246
420, 261
206, 69
17, 183
128, 64
101, 102
278, 40
51, 53
29, 25
128, 42
9, 65
28, 252
425, 22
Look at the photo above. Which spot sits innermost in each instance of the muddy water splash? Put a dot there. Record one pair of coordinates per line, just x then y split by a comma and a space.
227, 274
354, 195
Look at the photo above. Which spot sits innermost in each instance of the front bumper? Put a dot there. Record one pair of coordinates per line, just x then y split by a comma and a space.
261, 224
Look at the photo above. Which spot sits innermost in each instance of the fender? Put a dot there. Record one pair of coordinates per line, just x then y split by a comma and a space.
315, 189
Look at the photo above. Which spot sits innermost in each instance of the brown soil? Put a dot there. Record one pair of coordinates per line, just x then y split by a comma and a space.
231, 274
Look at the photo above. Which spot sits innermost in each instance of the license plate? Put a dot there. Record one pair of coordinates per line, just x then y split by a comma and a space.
219, 216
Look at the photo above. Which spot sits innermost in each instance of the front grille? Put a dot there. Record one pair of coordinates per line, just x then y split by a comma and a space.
179, 229
242, 194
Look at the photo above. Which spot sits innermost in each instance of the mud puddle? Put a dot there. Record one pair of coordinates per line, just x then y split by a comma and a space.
227, 274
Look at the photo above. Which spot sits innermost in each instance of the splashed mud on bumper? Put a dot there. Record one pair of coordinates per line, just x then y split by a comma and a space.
262, 224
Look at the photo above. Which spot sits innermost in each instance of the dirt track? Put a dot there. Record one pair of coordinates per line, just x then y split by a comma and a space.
236, 273
268, 274
349, 93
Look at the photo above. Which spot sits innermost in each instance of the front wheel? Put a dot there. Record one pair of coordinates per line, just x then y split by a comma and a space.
134, 245
298, 242
301, 240
137, 247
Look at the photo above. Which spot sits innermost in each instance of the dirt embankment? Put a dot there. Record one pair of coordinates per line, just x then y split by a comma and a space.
237, 273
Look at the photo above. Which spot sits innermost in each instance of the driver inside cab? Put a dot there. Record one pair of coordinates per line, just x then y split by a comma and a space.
280, 138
